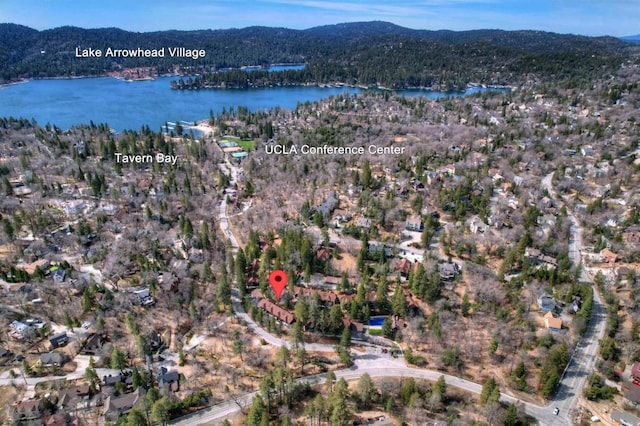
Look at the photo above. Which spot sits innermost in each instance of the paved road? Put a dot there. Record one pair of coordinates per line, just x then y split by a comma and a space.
217, 413
585, 354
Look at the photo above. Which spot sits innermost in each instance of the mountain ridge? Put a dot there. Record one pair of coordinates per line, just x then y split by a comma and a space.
29, 53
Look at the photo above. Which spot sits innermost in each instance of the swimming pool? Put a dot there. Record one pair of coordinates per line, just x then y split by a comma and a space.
376, 321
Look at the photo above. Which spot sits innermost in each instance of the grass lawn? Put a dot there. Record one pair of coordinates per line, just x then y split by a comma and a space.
247, 144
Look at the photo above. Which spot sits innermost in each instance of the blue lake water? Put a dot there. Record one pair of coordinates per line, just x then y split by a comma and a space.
130, 105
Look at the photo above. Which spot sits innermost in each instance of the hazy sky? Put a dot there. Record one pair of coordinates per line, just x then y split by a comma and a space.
589, 17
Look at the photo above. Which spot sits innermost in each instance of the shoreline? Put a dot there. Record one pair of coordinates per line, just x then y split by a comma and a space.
76, 77
469, 86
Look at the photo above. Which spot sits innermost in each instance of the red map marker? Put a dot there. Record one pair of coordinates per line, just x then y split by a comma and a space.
278, 281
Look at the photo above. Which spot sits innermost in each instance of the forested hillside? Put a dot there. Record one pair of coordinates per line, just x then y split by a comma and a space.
368, 54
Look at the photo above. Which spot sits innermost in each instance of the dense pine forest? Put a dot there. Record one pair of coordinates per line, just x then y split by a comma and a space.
369, 54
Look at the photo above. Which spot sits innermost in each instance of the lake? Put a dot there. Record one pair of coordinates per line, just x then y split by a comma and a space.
130, 105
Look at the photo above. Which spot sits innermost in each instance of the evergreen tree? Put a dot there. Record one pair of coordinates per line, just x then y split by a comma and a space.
254, 418
224, 288
466, 306
160, 411
382, 297
366, 391
490, 392
399, 303
238, 345
338, 400
118, 360
8, 188
511, 417
366, 175
136, 418
240, 272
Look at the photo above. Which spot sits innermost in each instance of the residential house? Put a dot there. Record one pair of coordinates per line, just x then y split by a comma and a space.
144, 297
110, 380
404, 267
168, 380
635, 372
115, 407
624, 418
551, 322
376, 247
58, 419
414, 223
587, 151
329, 298
41, 264
495, 175
512, 203
340, 216
547, 219
324, 254
52, 359
416, 184
356, 328
21, 331
58, 340
608, 256
631, 395
450, 169
276, 311
59, 275
74, 207
364, 223
70, 398
546, 303
27, 412
93, 344
156, 342
506, 187
538, 258
476, 225
329, 204
346, 298
448, 271
575, 305
432, 177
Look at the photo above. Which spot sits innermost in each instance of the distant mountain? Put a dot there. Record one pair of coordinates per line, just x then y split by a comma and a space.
343, 52
632, 38
529, 40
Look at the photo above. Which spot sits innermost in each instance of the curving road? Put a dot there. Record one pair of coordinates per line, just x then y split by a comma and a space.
218, 412
584, 356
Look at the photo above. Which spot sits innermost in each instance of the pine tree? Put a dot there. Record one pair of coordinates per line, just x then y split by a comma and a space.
118, 360
490, 392
399, 303
339, 413
366, 391
224, 288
